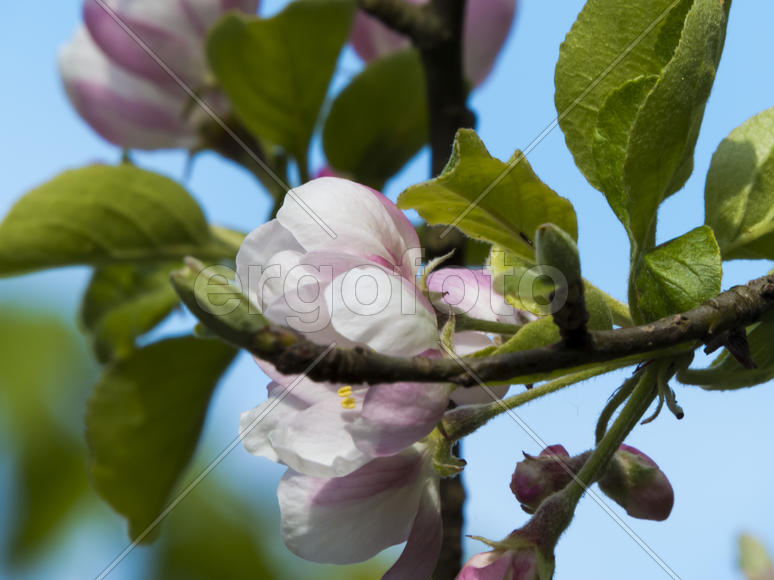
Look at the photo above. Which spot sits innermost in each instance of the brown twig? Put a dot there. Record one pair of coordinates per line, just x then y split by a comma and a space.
291, 353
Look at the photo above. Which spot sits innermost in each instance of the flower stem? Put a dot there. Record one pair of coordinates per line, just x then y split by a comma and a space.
556, 512
452, 503
466, 420
633, 410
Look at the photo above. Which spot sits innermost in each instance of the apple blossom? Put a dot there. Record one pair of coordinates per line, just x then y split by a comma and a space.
326, 430
487, 23
340, 263
349, 519
304, 270
112, 73
358, 480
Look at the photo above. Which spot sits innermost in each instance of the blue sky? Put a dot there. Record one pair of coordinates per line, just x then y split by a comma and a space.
716, 458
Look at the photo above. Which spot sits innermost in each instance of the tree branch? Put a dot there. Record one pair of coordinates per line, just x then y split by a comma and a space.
292, 354
452, 502
447, 92
419, 22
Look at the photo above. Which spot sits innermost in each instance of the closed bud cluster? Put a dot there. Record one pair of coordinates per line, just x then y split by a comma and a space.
632, 480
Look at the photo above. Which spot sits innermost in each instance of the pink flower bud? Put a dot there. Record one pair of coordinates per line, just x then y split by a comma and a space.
536, 478
487, 24
325, 171
635, 482
501, 565
116, 70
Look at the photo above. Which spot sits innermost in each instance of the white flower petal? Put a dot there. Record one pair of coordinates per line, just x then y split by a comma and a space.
372, 306
262, 244
316, 441
350, 519
477, 395
304, 426
330, 214
282, 402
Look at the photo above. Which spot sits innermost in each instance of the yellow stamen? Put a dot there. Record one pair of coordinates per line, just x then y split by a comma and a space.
344, 391
349, 403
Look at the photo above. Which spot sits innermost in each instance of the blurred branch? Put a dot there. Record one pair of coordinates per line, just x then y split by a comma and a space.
417, 21
447, 91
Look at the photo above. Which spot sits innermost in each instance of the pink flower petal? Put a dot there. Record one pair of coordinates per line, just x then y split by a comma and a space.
124, 109
396, 415
331, 214
350, 519
469, 291
487, 24
423, 547
164, 29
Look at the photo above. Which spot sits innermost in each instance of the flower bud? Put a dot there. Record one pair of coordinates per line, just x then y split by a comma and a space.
536, 478
501, 565
517, 557
116, 69
326, 171
634, 481
487, 23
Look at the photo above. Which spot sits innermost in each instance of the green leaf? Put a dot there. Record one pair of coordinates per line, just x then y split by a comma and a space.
144, 419
600, 315
679, 275
726, 373
276, 71
541, 332
754, 559
501, 203
632, 83
739, 195
611, 138
41, 506
123, 302
379, 121
659, 158
228, 547
102, 215
44, 367
600, 36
